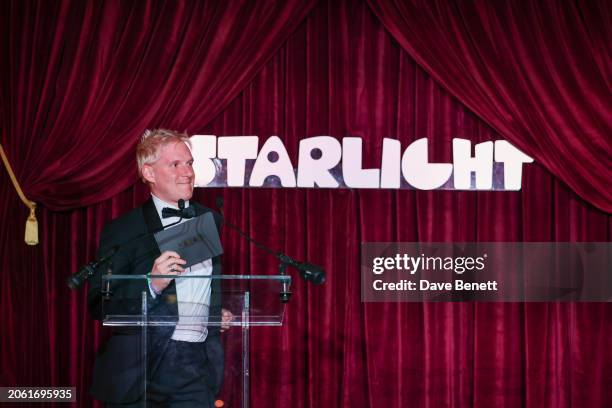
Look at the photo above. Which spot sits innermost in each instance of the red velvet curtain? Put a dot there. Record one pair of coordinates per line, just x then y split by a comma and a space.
83, 79
540, 73
340, 73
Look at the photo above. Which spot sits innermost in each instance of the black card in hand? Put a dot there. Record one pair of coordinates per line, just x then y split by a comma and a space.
195, 240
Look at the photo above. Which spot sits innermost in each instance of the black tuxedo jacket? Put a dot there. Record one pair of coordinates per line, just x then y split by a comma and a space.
118, 370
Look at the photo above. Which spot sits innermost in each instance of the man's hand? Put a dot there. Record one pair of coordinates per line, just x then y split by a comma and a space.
226, 318
168, 263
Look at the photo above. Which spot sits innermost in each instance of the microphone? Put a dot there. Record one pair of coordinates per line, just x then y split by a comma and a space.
188, 212
310, 272
77, 279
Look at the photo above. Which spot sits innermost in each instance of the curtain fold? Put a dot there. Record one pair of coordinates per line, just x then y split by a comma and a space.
82, 80
539, 73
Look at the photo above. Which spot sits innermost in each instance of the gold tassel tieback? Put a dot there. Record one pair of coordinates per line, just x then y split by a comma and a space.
31, 232
31, 229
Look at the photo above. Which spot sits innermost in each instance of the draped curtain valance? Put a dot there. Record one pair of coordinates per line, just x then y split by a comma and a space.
81, 80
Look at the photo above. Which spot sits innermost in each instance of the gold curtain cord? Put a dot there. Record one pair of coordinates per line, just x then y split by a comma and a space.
31, 230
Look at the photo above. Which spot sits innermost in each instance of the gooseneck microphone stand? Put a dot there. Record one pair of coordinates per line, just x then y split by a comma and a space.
309, 272
76, 280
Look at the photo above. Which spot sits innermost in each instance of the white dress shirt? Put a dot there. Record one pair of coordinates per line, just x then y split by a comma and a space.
193, 295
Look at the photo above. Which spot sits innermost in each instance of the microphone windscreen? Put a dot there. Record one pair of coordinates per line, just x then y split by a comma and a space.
312, 273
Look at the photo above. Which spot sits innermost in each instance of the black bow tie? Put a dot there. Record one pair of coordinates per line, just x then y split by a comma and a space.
188, 212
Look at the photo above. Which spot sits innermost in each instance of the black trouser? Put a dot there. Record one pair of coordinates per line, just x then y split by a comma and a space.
185, 377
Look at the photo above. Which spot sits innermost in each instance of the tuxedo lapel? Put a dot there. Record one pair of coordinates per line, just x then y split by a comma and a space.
151, 217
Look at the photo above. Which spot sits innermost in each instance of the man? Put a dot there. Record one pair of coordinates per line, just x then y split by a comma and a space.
184, 362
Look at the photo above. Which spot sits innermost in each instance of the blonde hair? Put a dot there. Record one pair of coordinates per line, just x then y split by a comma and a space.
148, 149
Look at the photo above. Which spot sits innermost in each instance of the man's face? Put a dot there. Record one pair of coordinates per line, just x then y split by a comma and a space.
171, 177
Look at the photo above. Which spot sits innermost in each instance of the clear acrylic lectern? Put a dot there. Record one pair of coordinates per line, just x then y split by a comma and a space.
251, 300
